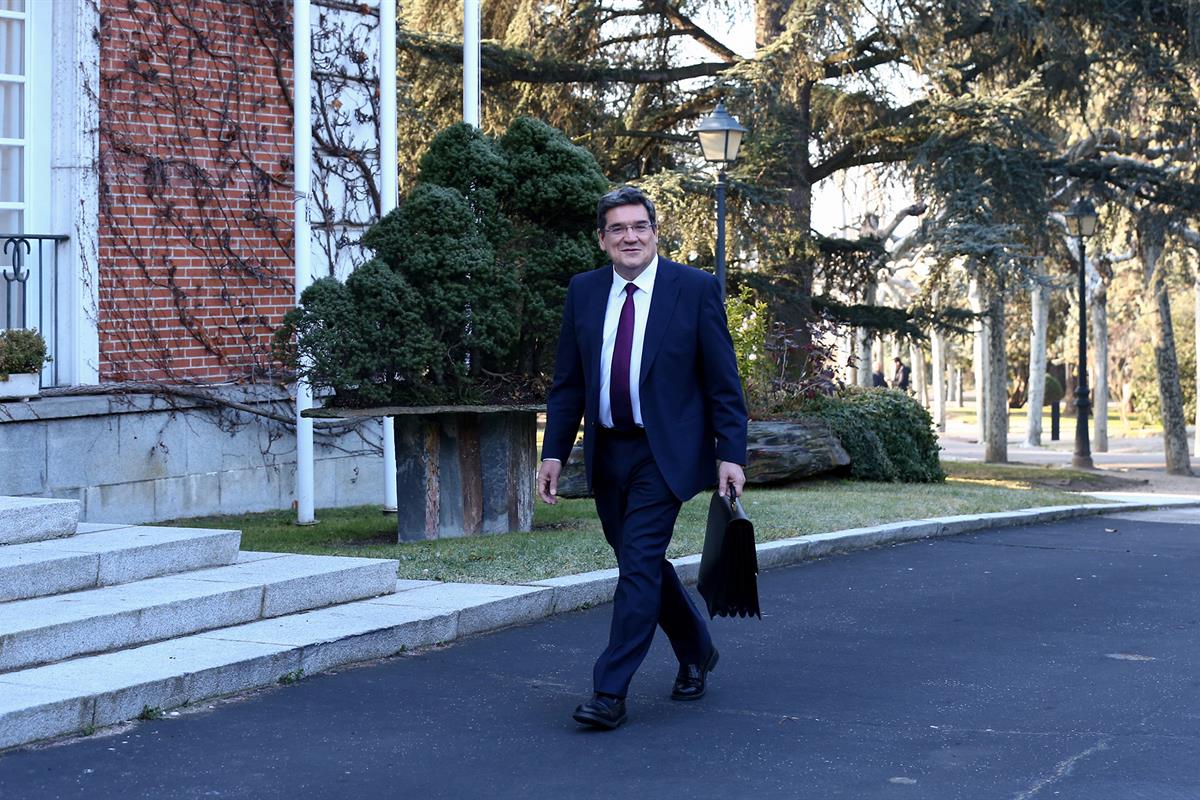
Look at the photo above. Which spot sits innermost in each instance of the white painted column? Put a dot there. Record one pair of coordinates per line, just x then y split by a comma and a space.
302, 240
471, 65
388, 195
75, 183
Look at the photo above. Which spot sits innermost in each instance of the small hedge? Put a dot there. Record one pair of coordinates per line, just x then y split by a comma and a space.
887, 433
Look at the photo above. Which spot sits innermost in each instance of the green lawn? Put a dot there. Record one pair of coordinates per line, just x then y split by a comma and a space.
567, 538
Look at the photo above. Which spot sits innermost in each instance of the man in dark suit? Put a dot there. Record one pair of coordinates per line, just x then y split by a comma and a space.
646, 361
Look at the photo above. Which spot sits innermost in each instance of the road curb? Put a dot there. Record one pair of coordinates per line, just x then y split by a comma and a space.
573, 592
419, 614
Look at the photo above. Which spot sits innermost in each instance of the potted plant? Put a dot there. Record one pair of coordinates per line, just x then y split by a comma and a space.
450, 329
22, 355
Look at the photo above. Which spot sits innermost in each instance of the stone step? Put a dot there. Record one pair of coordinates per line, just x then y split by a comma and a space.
94, 691
47, 629
32, 519
102, 555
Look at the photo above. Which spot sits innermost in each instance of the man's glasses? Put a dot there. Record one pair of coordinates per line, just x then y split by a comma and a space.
640, 228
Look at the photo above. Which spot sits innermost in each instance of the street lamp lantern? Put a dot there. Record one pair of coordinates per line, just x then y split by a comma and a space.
1082, 222
720, 137
1082, 218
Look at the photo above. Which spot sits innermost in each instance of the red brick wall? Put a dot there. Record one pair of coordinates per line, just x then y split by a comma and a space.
196, 176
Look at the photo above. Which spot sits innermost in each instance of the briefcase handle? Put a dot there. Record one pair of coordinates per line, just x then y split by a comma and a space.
731, 499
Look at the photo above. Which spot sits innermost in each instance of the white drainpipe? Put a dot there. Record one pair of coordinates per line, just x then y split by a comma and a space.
388, 192
471, 74
302, 241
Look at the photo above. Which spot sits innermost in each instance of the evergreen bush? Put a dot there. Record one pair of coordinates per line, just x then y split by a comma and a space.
462, 301
887, 433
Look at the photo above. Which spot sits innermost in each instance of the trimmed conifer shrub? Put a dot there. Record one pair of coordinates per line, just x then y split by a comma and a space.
462, 301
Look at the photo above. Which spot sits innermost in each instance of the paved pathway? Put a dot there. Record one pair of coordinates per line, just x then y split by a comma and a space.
1123, 454
1056, 661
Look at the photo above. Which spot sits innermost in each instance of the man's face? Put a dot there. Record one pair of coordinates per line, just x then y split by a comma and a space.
629, 250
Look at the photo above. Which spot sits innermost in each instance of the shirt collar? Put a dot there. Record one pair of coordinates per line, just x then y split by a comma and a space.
644, 281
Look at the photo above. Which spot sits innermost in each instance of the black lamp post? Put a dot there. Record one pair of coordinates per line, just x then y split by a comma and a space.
1081, 223
720, 137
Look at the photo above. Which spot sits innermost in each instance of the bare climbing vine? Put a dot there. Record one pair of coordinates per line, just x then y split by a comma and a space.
196, 197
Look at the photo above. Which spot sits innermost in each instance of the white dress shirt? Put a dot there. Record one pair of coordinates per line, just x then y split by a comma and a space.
612, 318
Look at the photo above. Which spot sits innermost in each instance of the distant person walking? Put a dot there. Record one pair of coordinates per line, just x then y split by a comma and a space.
901, 375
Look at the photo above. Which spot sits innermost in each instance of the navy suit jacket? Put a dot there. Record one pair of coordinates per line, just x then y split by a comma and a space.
691, 397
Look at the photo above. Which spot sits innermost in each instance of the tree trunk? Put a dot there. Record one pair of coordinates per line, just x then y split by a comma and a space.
801, 264
1100, 375
768, 21
793, 306
1196, 341
980, 358
1126, 401
996, 447
951, 372
847, 355
866, 362
958, 387
1170, 395
1040, 300
916, 357
866, 367
937, 344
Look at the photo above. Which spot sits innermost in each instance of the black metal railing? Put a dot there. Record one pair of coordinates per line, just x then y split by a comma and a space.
31, 289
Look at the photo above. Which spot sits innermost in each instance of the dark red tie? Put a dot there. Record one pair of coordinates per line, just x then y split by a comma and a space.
618, 385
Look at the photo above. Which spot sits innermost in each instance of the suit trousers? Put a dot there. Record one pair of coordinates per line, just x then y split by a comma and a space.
638, 512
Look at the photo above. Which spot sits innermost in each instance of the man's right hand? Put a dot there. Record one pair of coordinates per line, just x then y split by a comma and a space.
547, 480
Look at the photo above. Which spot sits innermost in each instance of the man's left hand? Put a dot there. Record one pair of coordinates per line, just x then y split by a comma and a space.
729, 474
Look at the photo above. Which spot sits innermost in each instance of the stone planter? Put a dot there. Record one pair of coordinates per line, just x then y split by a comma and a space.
20, 386
460, 470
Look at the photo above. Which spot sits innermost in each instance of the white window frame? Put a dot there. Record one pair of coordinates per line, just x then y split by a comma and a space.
38, 80
35, 143
35, 205
23, 141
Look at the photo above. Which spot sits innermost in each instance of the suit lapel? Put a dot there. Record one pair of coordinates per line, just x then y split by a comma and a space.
597, 304
662, 304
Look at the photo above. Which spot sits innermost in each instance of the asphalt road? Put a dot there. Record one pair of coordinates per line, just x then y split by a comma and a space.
1058, 661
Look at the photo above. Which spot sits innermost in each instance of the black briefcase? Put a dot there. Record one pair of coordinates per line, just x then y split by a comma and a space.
729, 566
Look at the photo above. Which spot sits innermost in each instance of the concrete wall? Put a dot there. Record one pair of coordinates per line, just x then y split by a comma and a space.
141, 459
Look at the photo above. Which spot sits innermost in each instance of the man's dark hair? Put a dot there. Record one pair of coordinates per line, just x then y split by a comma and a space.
625, 196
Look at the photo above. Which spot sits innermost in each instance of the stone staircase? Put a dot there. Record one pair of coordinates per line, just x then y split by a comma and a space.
101, 624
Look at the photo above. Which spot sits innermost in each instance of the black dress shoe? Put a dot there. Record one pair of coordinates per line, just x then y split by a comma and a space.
602, 711
690, 682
